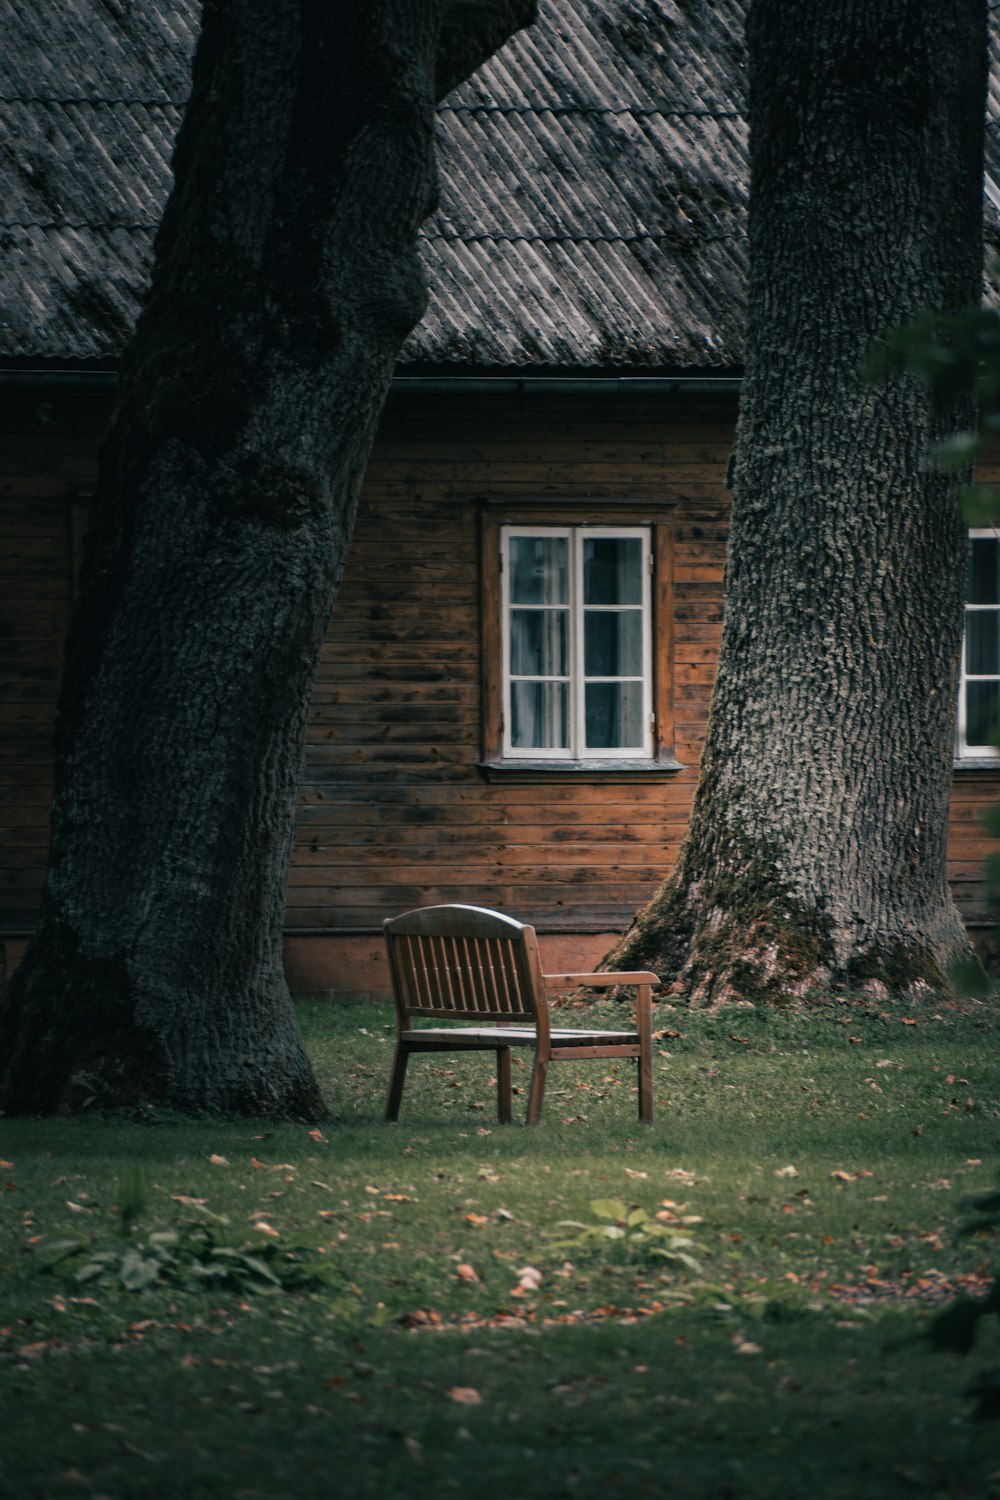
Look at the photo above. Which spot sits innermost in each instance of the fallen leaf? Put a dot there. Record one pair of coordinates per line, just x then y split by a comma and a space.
478, 1220
786, 1172
746, 1347
7, 1164
317, 1135
529, 1278
465, 1272
218, 1161
76, 1208
464, 1395
629, 1172
266, 1228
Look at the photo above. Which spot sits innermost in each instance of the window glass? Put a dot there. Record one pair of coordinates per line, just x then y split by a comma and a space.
982, 642
614, 715
539, 717
612, 570
538, 570
982, 712
538, 645
983, 578
612, 643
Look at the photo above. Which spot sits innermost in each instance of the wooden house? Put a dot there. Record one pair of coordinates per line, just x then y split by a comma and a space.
514, 686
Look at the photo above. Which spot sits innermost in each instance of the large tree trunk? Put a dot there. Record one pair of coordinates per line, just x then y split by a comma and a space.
816, 849
286, 279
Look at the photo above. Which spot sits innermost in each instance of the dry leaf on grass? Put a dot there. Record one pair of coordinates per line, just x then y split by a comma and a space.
464, 1395
465, 1272
266, 1228
218, 1161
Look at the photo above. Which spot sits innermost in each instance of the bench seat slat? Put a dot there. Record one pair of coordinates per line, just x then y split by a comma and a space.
468, 1036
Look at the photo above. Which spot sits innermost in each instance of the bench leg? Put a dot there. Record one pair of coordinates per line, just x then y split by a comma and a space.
645, 1066
504, 1088
536, 1092
396, 1081
645, 1092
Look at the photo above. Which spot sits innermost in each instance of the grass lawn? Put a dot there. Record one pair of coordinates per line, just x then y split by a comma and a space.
449, 1335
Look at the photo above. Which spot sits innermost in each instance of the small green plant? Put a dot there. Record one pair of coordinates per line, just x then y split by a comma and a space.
192, 1256
630, 1231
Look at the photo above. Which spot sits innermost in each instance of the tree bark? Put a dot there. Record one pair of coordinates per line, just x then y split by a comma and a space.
286, 278
816, 850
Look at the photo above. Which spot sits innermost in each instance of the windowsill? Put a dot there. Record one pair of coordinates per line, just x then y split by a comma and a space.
578, 770
977, 763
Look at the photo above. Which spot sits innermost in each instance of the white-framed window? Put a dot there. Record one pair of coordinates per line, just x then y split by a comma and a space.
979, 689
576, 642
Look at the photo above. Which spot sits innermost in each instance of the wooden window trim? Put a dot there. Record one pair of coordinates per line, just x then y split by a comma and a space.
494, 516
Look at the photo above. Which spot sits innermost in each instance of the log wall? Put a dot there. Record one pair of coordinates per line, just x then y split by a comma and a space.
394, 810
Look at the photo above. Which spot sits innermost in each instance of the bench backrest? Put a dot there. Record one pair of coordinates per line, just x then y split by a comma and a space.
464, 963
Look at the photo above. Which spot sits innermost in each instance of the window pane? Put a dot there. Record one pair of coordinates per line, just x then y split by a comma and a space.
538, 570
538, 718
612, 570
982, 642
614, 716
983, 579
538, 642
612, 643
982, 712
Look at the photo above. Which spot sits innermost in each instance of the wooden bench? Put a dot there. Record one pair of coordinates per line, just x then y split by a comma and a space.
479, 971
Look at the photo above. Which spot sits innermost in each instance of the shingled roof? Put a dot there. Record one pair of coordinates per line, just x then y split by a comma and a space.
593, 184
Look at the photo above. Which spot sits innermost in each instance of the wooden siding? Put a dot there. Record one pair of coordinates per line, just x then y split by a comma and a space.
394, 811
